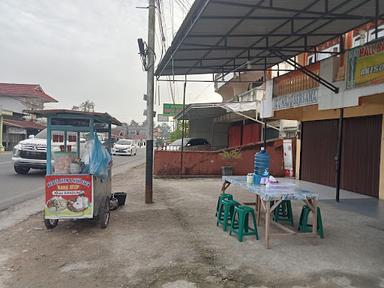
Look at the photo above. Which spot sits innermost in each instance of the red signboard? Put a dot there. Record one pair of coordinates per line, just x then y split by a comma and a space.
68, 196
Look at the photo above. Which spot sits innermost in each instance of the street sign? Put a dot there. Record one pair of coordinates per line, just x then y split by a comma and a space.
170, 109
162, 118
16, 130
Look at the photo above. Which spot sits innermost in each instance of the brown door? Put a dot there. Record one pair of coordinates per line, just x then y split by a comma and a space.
319, 141
360, 160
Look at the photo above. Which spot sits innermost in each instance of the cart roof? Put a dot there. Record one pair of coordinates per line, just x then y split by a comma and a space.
103, 117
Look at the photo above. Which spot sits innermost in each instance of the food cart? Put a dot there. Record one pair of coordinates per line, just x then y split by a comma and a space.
72, 189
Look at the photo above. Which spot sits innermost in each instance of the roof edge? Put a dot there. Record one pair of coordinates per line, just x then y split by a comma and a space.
189, 21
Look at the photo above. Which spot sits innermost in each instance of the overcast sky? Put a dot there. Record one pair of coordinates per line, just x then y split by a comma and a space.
84, 49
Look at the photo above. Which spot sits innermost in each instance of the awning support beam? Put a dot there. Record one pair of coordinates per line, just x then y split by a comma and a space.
307, 72
311, 22
339, 153
248, 117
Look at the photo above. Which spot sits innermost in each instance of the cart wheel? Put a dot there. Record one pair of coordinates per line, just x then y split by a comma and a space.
50, 223
104, 214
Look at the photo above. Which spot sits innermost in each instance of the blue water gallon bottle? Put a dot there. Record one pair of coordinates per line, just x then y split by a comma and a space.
261, 165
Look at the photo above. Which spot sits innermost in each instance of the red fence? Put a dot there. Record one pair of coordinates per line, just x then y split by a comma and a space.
209, 163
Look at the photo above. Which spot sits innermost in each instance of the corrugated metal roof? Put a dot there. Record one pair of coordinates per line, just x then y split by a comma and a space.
221, 36
23, 124
65, 112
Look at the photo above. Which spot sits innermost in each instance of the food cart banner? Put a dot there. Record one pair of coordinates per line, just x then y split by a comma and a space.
366, 65
68, 196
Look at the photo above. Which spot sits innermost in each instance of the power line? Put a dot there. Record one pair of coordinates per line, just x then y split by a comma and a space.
162, 24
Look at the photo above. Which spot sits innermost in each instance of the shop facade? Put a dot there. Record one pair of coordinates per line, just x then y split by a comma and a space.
355, 114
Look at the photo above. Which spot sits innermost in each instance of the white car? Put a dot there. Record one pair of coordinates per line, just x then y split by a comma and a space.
31, 153
124, 147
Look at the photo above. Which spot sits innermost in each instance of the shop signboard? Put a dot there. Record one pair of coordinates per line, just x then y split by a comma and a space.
170, 109
68, 196
16, 130
296, 99
366, 65
162, 118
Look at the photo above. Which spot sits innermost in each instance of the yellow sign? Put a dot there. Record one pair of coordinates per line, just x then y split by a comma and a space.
6, 113
366, 65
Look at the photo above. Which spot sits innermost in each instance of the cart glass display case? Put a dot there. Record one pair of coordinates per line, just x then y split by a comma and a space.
78, 173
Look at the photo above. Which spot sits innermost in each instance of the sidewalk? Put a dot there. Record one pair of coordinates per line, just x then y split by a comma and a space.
175, 243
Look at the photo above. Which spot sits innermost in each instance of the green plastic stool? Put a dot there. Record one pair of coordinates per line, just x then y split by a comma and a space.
303, 222
239, 223
222, 196
225, 213
283, 213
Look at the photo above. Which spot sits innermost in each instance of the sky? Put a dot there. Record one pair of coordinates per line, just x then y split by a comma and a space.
81, 50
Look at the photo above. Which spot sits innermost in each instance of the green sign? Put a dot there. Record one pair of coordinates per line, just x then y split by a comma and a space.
172, 109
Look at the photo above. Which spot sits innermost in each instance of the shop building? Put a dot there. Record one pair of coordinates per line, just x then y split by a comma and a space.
335, 91
15, 102
358, 107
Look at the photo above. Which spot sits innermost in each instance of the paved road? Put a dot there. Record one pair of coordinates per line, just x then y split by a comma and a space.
15, 188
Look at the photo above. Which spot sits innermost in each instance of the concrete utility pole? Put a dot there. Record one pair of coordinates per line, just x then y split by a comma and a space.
1, 129
150, 95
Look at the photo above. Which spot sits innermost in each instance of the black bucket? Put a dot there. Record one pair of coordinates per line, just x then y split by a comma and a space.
120, 196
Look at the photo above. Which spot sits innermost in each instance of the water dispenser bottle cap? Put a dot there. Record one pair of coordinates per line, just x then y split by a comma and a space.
262, 149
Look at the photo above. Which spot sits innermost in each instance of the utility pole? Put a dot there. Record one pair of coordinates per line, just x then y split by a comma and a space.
150, 95
1, 129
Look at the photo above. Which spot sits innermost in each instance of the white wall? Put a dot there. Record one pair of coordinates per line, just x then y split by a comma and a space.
326, 98
345, 97
266, 104
215, 133
12, 104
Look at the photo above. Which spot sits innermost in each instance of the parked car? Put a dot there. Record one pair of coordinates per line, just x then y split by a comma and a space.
31, 153
190, 144
124, 147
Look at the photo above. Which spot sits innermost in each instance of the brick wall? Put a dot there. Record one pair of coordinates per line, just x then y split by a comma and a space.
209, 163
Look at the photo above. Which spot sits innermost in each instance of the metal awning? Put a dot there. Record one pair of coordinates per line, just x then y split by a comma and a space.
200, 111
222, 36
213, 110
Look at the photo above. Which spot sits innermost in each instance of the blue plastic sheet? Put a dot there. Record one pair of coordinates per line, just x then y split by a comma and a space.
99, 158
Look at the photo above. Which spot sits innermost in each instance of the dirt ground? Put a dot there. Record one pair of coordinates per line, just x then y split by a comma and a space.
175, 243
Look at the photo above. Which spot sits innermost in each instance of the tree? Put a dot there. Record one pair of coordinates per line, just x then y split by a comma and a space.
178, 132
134, 123
87, 106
